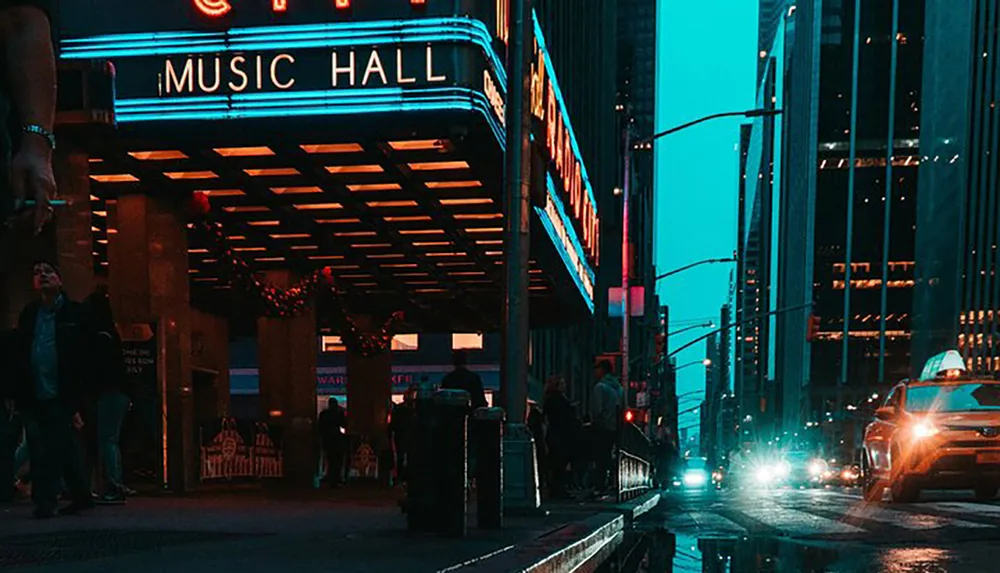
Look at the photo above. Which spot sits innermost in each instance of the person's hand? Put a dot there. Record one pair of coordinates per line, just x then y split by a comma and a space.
77, 421
31, 178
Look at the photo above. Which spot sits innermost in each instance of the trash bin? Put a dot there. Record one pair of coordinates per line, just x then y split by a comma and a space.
489, 424
452, 410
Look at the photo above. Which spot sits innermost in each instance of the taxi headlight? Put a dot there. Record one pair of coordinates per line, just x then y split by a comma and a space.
815, 469
923, 429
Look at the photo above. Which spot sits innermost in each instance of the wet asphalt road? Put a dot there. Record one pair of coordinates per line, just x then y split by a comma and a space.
792, 530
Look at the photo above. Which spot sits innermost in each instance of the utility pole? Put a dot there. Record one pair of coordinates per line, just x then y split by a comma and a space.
626, 254
520, 481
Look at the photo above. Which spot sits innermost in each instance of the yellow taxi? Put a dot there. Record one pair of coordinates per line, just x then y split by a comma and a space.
942, 432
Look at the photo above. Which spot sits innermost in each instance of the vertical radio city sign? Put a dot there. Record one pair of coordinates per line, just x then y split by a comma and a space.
566, 161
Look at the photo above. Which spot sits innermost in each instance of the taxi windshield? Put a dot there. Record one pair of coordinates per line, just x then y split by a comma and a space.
971, 397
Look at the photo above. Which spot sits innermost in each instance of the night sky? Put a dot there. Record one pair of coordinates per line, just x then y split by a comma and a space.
706, 64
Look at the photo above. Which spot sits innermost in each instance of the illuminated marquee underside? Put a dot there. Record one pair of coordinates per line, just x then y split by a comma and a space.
481, 92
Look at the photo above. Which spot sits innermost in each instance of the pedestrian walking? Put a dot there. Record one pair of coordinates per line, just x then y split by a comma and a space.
113, 396
333, 435
27, 102
52, 378
562, 435
606, 406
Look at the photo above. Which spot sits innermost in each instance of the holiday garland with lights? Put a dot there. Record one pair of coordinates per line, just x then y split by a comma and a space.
285, 303
369, 344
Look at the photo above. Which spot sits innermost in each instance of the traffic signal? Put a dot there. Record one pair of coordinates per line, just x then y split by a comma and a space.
812, 328
661, 346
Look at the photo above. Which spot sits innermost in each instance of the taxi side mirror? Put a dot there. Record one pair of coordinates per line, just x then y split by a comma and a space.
885, 413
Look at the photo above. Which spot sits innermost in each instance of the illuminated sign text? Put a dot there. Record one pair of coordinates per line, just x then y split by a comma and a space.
219, 8
547, 105
346, 68
494, 96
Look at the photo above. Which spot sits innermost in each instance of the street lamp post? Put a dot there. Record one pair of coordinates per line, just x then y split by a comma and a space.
629, 148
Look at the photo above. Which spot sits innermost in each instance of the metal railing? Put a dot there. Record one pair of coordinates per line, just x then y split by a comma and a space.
635, 463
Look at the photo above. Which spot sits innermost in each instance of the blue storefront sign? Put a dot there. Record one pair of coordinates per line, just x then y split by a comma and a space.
333, 380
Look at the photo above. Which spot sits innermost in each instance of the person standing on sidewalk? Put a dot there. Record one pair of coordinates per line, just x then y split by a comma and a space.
606, 404
402, 428
333, 434
52, 378
561, 437
113, 395
28, 96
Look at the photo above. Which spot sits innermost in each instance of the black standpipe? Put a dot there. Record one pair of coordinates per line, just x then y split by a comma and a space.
452, 408
420, 504
489, 467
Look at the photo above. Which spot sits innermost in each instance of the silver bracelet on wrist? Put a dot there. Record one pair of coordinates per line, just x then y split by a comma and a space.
38, 130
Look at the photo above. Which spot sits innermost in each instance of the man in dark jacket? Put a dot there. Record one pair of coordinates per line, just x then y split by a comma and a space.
52, 379
463, 379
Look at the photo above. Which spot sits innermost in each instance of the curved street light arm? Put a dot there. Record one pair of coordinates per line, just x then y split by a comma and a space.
747, 114
693, 265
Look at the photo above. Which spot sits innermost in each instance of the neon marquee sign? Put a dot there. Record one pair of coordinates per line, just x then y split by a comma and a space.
220, 8
235, 73
548, 106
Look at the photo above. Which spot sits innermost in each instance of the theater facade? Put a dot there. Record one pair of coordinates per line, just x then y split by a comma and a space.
363, 138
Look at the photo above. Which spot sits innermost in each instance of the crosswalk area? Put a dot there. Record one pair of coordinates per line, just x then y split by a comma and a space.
827, 514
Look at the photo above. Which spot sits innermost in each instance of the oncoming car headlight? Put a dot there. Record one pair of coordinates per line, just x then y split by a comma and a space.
815, 469
762, 474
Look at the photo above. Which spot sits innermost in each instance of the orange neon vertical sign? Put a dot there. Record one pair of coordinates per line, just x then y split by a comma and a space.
214, 8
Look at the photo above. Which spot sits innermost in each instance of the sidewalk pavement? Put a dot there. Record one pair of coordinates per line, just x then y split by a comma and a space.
348, 531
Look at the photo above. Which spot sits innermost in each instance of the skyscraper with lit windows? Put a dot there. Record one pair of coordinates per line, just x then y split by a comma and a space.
957, 237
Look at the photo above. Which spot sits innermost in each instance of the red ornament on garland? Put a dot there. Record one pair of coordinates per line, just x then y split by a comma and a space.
200, 205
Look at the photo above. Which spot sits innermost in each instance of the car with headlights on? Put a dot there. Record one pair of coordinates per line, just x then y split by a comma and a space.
696, 474
942, 433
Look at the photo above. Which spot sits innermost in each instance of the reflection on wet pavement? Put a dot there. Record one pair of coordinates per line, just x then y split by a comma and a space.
659, 551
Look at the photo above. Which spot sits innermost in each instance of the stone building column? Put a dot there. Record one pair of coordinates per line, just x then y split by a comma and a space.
287, 350
210, 355
369, 391
149, 283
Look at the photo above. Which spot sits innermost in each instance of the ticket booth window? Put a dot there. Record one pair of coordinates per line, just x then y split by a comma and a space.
406, 342
466, 341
